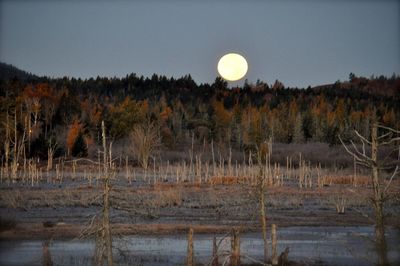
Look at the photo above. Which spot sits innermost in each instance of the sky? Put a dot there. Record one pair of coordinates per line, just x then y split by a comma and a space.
300, 43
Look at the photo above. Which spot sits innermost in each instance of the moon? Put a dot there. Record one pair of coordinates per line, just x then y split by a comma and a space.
232, 66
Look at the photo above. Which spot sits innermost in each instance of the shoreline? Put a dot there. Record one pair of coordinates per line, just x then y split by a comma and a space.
36, 231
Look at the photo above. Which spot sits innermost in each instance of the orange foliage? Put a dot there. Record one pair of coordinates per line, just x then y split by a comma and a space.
89, 140
223, 116
340, 111
144, 107
41, 90
95, 115
356, 117
45, 91
73, 131
166, 113
323, 106
389, 118
93, 111
251, 122
331, 118
29, 92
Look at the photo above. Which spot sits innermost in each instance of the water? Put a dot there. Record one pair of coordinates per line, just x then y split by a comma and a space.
329, 245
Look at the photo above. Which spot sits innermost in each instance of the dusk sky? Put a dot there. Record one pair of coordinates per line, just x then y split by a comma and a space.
300, 43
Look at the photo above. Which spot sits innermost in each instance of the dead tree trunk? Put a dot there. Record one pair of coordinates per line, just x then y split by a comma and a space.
263, 217
235, 248
378, 200
14, 163
7, 146
274, 255
104, 243
106, 201
372, 162
47, 261
50, 154
106, 223
261, 198
215, 253
190, 257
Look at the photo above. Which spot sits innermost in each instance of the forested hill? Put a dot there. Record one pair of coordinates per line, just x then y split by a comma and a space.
379, 85
68, 109
8, 72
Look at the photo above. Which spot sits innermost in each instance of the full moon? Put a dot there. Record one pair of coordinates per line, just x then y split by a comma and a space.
232, 67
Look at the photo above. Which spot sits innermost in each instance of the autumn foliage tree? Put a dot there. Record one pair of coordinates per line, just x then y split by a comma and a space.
75, 132
79, 149
223, 118
238, 117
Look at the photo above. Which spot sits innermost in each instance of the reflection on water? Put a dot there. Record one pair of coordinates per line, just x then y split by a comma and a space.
331, 245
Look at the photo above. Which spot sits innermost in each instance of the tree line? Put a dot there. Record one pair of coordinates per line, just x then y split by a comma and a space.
69, 111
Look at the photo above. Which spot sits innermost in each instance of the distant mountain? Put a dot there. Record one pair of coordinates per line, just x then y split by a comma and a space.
10, 72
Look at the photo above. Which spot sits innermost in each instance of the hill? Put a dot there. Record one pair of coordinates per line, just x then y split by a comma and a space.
8, 72
379, 85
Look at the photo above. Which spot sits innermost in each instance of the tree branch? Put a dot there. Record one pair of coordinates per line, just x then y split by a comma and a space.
362, 137
396, 171
390, 141
83, 159
389, 128
385, 135
362, 154
358, 159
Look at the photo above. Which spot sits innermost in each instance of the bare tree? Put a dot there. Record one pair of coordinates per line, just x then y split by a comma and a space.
190, 256
101, 227
50, 154
18, 148
368, 157
264, 152
106, 200
145, 139
7, 144
104, 238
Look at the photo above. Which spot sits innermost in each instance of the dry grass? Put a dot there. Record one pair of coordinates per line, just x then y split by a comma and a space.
167, 197
227, 180
346, 180
158, 186
12, 199
282, 201
191, 204
339, 202
34, 198
150, 199
222, 200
